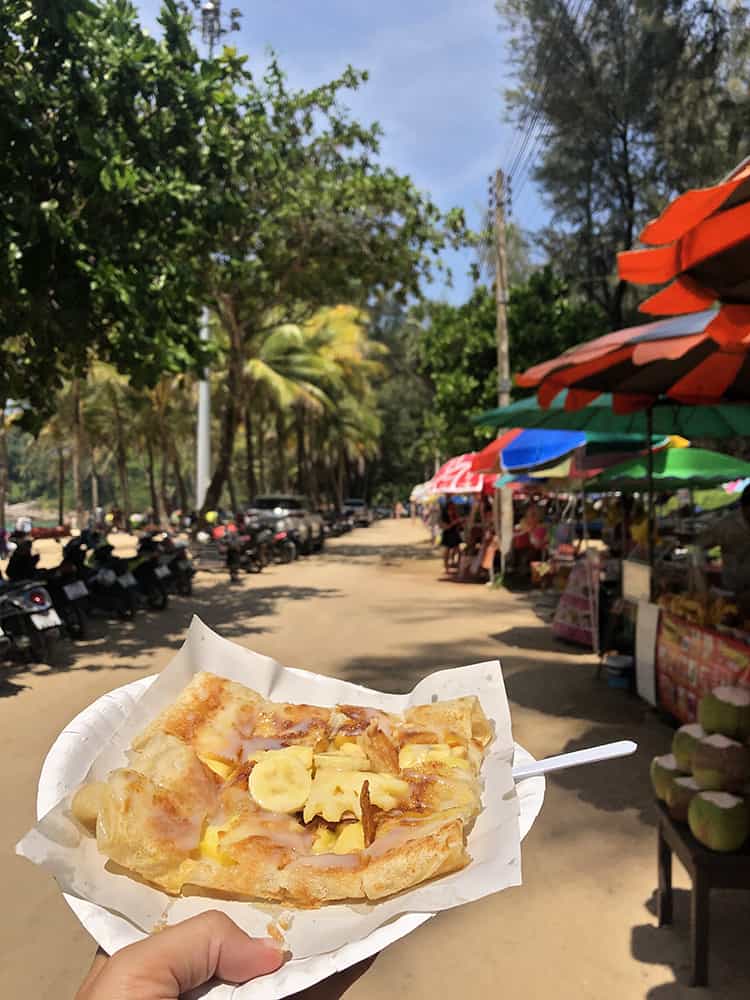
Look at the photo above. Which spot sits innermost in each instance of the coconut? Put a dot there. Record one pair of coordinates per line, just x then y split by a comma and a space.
719, 820
726, 710
684, 741
721, 764
680, 794
663, 772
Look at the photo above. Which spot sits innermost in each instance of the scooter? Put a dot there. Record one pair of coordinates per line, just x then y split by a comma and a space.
107, 579
29, 625
174, 555
69, 594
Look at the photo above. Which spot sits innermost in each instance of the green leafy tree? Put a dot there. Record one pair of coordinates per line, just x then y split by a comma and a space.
634, 101
321, 223
118, 160
457, 349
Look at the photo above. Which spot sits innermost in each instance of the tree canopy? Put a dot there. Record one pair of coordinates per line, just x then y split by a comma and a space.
637, 100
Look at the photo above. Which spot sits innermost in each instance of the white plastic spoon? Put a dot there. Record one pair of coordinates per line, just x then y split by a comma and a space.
589, 756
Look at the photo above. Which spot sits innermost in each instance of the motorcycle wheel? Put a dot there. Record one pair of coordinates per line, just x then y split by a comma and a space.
288, 552
41, 646
253, 564
126, 606
185, 586
157, 598
74, 620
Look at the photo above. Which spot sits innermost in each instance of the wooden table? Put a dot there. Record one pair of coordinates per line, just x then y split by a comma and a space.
708, 870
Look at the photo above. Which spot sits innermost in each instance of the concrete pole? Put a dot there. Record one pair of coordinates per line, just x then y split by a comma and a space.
203, 442
505, 496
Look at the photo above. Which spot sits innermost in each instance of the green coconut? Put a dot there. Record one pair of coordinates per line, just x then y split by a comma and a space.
680, 793
684, 741
726, 710
663, 772
721, 764
719, 820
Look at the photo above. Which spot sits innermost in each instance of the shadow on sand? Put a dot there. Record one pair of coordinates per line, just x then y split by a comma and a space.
235, 612
729, 958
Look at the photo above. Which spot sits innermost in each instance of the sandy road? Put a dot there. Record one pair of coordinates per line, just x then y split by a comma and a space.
374, 610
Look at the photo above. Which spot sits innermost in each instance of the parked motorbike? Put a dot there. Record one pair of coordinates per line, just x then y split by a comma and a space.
107, 578
174, 555
150, 574
29, 625
69, 594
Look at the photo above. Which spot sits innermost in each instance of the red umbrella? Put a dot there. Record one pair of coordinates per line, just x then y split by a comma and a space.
698, 358
488, 459
702, 241
457, 476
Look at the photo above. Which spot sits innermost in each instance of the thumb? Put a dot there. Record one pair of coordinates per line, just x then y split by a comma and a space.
191, 953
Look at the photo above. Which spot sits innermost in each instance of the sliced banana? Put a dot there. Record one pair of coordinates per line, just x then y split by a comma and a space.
351, 838
339, 760
280, 782
88, 802
303, 754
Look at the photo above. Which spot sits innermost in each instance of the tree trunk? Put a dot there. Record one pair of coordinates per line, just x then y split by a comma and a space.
182, 495
60, 488
281, 478
166, 506
94, 484
228, 427
3, 464
340, 482
250, 480
77, 448
261, 452
232, 493
152, 477
299, 426
121, 458
313, 478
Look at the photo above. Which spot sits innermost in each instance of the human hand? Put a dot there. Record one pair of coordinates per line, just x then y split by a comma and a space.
179, 958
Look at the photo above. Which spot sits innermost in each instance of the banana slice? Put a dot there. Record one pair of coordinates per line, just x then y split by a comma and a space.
338, 760
280, 783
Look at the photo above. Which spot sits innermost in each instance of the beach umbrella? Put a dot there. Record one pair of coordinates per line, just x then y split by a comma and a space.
701, 244
698, 359
518, 448
721, 420
458, 476
673, 469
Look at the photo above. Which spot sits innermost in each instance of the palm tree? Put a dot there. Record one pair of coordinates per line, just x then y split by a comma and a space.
108, 414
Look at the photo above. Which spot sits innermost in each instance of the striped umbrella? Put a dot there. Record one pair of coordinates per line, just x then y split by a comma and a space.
701, 244
457, 476
701, 358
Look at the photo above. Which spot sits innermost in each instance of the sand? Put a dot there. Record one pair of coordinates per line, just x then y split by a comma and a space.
375, 610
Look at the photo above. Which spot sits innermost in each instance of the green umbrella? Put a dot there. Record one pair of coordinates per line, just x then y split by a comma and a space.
724, 420
673, 469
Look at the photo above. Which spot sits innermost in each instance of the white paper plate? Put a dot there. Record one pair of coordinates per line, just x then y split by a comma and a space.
62, 771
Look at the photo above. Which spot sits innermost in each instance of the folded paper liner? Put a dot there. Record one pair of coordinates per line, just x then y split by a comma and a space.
57, 844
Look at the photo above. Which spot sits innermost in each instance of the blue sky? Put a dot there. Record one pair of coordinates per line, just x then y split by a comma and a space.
437, 71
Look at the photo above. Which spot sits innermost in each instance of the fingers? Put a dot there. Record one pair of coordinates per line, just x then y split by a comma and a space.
187, 955
100, 960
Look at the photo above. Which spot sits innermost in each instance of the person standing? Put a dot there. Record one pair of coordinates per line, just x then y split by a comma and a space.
451, 538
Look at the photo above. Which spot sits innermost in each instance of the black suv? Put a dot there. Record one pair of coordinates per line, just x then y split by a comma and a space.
306, 525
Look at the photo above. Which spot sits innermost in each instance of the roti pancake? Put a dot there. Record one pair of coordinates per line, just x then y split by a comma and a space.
242, 796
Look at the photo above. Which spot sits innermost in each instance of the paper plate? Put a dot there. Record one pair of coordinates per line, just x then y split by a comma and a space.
63, 770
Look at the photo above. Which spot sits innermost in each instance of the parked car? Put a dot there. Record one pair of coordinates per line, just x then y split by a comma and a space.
358, 509
305, 525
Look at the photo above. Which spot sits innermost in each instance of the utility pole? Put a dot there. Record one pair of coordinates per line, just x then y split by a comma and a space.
503, 498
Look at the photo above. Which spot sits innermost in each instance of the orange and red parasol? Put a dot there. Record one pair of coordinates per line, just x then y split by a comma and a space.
701, 244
